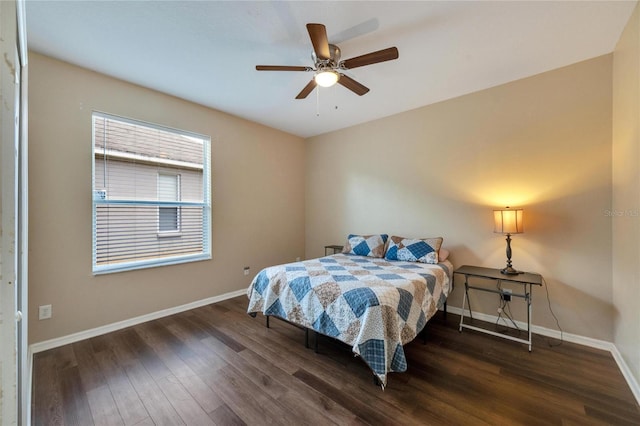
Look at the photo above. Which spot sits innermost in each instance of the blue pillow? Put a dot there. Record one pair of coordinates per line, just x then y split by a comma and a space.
423, 250
366, 245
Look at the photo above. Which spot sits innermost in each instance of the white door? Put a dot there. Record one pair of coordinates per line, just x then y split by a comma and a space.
13, 407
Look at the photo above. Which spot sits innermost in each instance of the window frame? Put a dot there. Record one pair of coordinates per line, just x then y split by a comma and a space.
100, 197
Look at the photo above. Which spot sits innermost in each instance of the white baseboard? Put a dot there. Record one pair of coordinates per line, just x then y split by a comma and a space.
86, 334
626, 372
568, 337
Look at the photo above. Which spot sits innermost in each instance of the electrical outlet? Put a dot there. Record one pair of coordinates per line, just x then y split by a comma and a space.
44, 312
246, 270
506, 294
298, 259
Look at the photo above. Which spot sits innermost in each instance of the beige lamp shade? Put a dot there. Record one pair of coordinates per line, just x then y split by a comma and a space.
508, 221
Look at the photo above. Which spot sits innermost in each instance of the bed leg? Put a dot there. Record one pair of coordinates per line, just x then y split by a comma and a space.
267, 317
315, 348
306, 338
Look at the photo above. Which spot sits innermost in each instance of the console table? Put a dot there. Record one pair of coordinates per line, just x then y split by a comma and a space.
526, 279
334, 249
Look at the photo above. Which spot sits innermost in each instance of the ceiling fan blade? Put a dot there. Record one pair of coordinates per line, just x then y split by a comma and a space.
383, 55
353, 85
318, 35
307, 89
281, 68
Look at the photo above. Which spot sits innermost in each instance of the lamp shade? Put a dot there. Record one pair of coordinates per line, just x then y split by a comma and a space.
508, 221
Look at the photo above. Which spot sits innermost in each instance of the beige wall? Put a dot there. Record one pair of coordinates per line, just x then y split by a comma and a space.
257, 191
541, 143
626, 194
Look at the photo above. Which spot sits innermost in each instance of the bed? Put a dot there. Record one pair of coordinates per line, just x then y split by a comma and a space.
374, 304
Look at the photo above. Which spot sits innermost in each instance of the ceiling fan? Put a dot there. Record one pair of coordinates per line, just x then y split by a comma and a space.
327, 63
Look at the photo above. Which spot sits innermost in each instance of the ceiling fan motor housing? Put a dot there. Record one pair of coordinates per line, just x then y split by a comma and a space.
332, 62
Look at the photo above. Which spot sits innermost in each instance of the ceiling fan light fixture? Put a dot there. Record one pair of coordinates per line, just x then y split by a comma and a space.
326, 78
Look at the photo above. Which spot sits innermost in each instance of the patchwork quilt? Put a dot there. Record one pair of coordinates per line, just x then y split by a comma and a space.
372, 304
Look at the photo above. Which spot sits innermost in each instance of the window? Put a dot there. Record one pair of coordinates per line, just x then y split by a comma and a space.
151, 195
168, 190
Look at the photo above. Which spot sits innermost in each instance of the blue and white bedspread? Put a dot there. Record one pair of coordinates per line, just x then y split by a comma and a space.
372, 304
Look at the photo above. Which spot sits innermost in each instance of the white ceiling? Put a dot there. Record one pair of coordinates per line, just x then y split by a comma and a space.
206, 51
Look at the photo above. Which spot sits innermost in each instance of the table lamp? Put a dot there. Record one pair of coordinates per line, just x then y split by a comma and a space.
508, 221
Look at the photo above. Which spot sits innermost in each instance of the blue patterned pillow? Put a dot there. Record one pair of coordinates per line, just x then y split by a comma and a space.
366, 245
424, 250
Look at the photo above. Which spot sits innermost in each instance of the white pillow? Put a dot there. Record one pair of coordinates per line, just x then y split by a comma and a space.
443, 254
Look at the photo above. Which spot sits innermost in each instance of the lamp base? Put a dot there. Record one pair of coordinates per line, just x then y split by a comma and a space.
509, 271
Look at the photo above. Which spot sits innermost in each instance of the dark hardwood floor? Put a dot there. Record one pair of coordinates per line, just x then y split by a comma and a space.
217, 365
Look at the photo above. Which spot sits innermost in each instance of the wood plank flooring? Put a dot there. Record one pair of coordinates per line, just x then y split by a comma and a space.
215, 365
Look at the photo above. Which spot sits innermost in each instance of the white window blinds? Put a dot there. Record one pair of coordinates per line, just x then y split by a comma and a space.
151, 195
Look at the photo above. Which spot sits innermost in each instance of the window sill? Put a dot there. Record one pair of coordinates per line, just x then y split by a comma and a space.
132, 266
